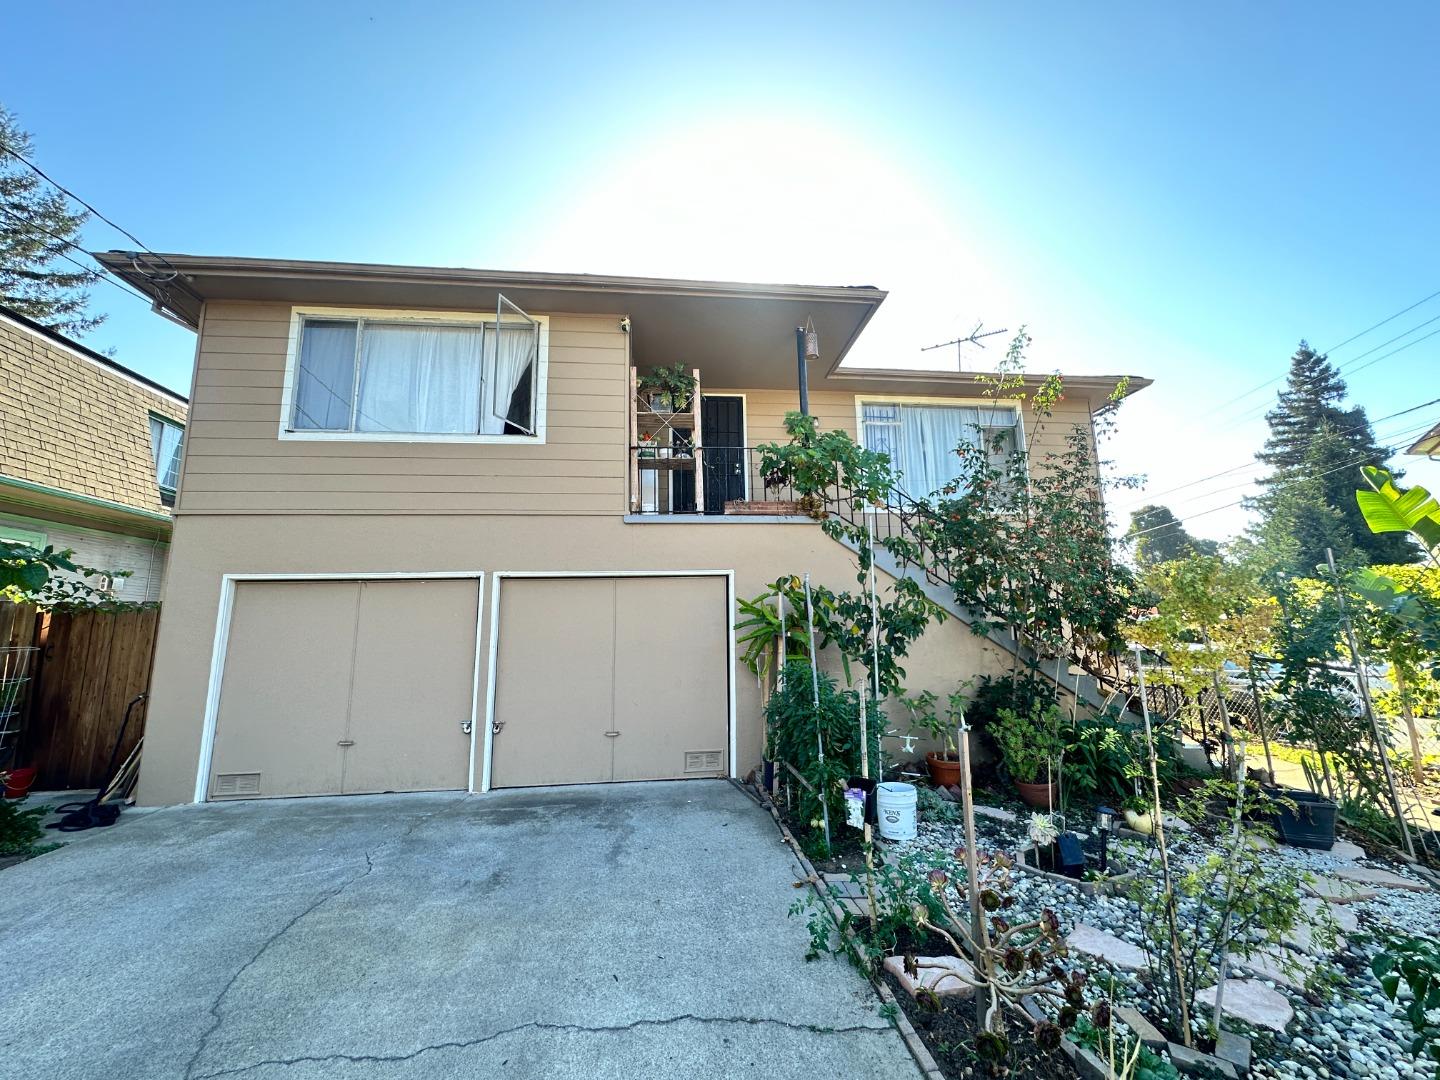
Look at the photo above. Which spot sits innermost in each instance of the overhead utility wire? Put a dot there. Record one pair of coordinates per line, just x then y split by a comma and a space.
1326, 352
1216, 509
99, 272
1253, 463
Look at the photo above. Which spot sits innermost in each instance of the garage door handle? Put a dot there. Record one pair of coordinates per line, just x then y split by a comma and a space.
612, 734
346, 742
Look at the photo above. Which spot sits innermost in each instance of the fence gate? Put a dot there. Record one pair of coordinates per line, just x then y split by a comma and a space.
90, 665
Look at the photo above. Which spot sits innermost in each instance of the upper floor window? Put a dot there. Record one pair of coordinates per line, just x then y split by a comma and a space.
167, 440
921, 437
388, 376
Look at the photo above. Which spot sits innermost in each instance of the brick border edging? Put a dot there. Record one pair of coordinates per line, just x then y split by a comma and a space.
923, 1059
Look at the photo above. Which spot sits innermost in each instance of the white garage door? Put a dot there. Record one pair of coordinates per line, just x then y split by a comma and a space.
606, 679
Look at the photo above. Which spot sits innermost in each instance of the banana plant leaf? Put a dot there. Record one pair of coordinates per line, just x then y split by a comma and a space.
1389, 509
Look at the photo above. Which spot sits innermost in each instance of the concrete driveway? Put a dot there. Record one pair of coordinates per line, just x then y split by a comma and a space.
632, 930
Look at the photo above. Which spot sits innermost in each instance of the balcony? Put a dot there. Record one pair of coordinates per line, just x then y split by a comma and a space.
676, 478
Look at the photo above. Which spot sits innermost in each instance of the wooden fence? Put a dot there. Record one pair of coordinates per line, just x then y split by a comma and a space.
91, 664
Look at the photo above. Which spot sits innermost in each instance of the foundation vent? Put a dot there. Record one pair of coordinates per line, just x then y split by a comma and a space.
703, 761
237, 783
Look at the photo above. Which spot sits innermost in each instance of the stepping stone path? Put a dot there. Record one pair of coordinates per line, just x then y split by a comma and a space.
1345, 851
1339, 892
1253, 1002
1271, 964
1312, 911
999, 813
1370, 875
932, 975
1090, 941
1145, 1031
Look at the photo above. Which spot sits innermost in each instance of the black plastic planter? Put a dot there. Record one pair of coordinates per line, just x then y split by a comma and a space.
1311, 824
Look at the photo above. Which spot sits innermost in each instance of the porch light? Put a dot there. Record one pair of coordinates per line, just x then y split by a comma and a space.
807, 348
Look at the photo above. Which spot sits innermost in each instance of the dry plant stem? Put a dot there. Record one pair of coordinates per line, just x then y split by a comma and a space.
1176, 971
1260, 720
972, 884
815, 691
1224, 710
1364, 684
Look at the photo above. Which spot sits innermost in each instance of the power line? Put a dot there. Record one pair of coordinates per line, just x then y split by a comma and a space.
1226, 506
1254, 463
1333, 348
99, 274
70, 194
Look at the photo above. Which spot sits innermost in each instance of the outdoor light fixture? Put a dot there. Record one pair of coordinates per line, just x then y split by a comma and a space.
1105, 819
807, 348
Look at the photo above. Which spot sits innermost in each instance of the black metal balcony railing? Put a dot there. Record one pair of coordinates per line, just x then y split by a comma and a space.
666, 481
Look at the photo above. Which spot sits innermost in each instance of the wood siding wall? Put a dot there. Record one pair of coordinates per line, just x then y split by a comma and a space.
235, 462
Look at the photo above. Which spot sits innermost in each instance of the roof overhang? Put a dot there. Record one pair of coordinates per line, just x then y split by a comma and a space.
1428, 445
1097, 390
745, 330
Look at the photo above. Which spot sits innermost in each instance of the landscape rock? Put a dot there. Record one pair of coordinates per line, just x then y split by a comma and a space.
1253, 1002
1199, 1064
1345, 851
1339, 892
1235, 1049
933, 975
1103, 945
1274, 965
999, 813
1370, 875
1145, 1031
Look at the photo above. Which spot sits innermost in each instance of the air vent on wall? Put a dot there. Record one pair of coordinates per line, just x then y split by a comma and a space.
703, 761
237, 783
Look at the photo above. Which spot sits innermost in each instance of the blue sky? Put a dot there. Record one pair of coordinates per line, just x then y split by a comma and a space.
1176, 192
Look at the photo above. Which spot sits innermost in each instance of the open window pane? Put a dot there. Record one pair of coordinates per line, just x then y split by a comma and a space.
325, 385
516, 349
419, 379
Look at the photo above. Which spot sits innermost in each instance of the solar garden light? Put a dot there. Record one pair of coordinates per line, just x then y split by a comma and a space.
1105, 819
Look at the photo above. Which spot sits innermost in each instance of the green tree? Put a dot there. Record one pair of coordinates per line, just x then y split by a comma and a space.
36, 228
1315, 445
1160, 537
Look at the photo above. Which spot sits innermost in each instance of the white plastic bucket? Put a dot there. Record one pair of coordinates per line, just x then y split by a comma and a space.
895, 806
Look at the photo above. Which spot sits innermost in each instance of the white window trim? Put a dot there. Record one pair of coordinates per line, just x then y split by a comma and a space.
861, 400
292, 362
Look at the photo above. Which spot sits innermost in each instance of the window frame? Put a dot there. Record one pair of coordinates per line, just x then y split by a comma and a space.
299, 314
861, 400
172, 492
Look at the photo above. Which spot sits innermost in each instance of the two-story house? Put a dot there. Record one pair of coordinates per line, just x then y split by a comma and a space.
433, 533
89, 456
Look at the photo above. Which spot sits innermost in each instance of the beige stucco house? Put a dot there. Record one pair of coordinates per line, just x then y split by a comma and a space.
89, 456
428, 536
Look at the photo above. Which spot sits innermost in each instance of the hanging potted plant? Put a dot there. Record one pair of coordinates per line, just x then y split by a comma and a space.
667, 389
646, 445
1030, 745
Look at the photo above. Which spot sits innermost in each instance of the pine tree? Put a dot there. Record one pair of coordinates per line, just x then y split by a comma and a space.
36, 227
1315, 450
1160, 537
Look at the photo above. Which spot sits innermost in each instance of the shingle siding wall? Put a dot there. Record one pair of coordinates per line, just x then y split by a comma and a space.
67, 422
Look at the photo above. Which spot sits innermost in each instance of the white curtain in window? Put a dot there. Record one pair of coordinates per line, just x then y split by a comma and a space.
327, 376
513, 362
165, 444
921, 439
419, 379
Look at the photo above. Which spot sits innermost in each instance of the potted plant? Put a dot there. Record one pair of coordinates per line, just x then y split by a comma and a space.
1030, 744
1138, 815
944, 764
647, 445
667, 389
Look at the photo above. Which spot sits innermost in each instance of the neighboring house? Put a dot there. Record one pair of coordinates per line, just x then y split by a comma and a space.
427, 539
89, 455
1428, 445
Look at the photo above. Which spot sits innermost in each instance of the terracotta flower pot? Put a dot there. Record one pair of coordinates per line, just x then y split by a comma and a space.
944, 770
1040, 796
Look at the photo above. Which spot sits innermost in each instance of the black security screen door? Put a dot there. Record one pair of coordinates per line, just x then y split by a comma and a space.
722, 456
722, 430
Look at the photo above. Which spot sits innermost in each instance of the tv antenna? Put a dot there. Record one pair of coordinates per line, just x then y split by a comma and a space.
972, 338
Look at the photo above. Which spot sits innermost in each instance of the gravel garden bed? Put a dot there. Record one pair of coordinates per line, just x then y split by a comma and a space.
1341, 1024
